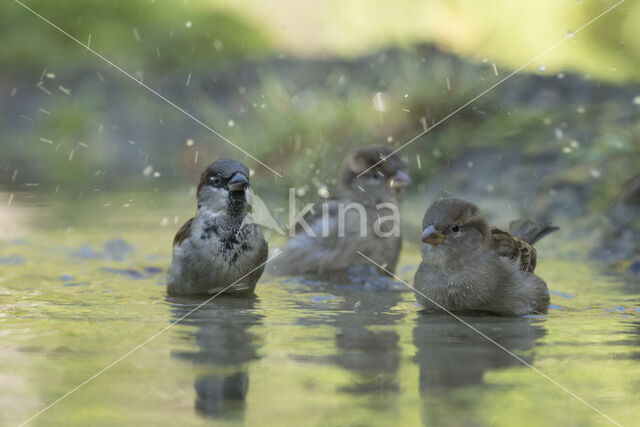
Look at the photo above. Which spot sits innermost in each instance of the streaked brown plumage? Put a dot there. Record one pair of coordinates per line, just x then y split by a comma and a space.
469, 266
328, 251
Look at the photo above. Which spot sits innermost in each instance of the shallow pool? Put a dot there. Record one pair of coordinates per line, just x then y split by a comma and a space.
82, 290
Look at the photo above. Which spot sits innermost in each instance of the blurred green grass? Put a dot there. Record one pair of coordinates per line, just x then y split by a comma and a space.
247, 75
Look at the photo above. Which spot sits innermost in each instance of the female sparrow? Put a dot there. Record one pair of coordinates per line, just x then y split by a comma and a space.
364, 217
469, 266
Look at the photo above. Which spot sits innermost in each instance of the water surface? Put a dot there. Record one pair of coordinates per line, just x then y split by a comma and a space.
81, 287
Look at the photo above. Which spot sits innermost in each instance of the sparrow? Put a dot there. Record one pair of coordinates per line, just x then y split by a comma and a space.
469, 266
325, 243
221, 244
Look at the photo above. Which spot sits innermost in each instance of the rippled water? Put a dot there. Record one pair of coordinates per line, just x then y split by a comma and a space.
301, 353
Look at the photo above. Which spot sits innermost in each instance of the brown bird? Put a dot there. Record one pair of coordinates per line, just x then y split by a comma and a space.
364, 216
469, 266
221, 245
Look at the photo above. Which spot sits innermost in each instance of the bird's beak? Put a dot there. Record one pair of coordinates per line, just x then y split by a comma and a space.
238, 182
432, 236
400, 180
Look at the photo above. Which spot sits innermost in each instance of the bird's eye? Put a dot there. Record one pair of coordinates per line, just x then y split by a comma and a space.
215, 180
377, 175
455, 228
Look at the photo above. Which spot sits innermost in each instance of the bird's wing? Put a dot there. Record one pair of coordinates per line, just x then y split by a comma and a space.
320, 252
183, 233
512, 247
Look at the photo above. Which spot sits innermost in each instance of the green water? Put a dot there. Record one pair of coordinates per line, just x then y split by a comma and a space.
301, 353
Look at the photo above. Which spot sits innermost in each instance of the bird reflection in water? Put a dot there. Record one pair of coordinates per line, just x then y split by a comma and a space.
225, 346
451, 356
368, 343
366, 338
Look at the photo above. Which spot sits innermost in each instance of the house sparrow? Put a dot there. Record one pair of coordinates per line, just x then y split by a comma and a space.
469, 266
221, 244
328, 237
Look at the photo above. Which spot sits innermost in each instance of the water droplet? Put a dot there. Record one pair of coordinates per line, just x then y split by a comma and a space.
323, 191
559, 133
380, 101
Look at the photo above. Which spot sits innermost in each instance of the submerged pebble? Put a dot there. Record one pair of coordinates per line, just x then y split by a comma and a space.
153, 270
12, 260
561, 294
372, 280
634, 268
360, 273
307, 281
87, 252
117, 249
127, 272
322, 298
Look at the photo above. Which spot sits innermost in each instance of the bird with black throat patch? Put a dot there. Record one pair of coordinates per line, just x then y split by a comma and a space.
220, 249
363, 215
469, 266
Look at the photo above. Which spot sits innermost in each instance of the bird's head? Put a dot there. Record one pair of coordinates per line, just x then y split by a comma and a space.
224, 188
375, 171
453, 225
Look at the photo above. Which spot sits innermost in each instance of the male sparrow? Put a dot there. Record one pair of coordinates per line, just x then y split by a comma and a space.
221, 244
364, 216
469, 266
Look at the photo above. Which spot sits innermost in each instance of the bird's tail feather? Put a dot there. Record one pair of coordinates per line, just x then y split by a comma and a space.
529, 230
